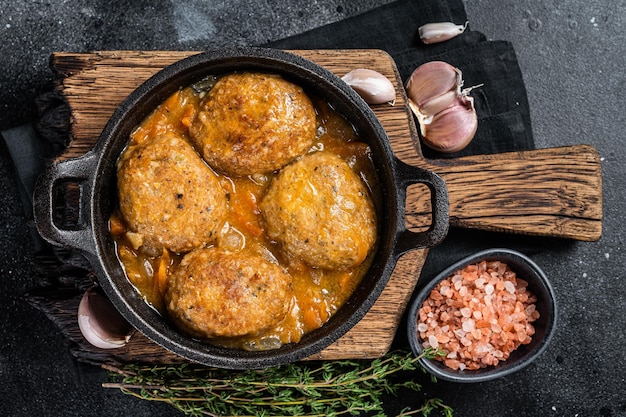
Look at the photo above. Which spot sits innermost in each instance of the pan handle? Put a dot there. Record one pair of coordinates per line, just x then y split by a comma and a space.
74, 171
407, 240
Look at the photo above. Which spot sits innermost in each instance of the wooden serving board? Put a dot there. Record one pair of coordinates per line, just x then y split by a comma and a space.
551, 192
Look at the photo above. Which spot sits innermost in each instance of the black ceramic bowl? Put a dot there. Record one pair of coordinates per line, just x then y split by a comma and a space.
545, 325
95, 172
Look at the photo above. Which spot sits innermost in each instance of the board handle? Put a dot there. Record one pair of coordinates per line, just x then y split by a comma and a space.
554, 192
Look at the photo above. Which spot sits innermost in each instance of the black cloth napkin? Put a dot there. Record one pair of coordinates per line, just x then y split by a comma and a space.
502, 106
501, 103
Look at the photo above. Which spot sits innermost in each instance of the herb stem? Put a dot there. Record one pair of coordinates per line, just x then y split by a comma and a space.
335, 388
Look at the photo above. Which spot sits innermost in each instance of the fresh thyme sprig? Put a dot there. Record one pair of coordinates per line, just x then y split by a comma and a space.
334, 388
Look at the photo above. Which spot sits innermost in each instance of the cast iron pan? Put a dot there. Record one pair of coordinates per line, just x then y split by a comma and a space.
95, 173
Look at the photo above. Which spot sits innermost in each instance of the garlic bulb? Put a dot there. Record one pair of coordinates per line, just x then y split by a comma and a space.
444, 111
100, 323
374, 87
440, 31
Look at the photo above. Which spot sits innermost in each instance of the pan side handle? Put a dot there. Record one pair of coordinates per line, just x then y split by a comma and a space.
76, 171
407, 240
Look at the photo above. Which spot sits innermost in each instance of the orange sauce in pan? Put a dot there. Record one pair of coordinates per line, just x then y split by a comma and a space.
318, 293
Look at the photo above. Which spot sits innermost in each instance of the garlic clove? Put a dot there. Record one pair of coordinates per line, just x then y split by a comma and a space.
431, 81
372, 86
437, 104
440, 31
100, 323
452, 129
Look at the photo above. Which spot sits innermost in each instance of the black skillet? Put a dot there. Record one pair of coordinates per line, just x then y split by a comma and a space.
95, 173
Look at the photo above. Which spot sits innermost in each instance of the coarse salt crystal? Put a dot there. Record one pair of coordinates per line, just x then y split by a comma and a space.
422, 327
445, 291
489, 289
432, 340
460, 333
509, 286
481, 348
488, 300
468, 325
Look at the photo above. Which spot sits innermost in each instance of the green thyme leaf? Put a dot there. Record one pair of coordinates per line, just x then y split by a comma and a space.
335, 388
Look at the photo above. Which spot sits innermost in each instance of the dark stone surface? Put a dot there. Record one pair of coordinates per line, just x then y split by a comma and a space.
572, 54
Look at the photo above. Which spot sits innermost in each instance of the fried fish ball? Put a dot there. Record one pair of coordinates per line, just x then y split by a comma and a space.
319, 209
169, 196
253, 123
218, 293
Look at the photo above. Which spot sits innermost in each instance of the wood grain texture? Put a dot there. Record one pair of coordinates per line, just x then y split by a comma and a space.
547, 192
551, 192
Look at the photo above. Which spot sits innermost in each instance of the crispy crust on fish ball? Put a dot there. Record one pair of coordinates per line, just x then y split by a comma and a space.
319, 209
253, 123
169, 196
218, 293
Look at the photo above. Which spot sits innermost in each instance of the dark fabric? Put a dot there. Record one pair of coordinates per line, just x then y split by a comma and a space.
502, 106
501, 103
392, 27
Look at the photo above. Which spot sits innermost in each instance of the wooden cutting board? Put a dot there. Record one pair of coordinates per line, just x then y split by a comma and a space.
550, 192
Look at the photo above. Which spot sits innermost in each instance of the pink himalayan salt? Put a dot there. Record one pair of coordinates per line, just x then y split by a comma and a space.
478, 316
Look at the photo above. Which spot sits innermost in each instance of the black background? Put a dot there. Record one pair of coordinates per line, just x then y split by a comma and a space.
572, 55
